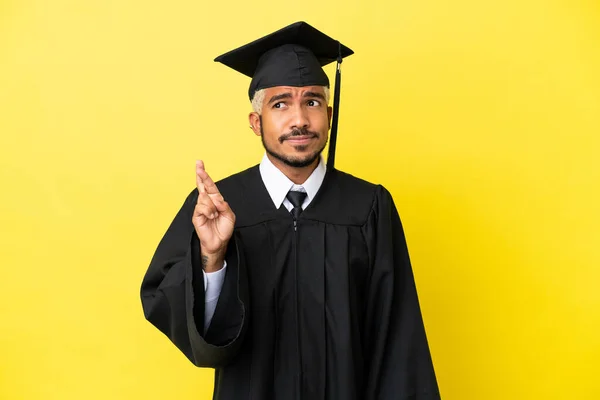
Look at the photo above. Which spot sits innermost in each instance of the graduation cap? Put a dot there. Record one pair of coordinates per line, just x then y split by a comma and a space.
291, 56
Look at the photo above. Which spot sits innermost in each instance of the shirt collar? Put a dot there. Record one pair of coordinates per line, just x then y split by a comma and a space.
278, 185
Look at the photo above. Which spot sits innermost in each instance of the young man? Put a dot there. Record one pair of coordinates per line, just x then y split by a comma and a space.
291, 279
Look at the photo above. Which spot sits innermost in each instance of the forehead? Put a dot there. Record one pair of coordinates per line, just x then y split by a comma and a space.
295, 91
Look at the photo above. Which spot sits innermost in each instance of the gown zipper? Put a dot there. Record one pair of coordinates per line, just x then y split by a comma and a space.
299, 357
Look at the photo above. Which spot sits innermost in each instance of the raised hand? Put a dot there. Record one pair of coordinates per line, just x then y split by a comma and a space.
213, 220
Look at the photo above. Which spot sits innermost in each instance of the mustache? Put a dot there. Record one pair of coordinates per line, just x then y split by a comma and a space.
297, 132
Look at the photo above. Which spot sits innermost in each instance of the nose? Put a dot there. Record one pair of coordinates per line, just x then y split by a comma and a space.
299, 118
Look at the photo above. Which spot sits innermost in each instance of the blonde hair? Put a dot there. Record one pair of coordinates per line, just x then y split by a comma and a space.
259, 98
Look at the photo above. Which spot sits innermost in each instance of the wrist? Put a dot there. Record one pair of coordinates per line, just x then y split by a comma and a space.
214, 261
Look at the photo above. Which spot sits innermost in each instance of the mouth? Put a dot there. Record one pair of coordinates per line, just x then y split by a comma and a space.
300, 140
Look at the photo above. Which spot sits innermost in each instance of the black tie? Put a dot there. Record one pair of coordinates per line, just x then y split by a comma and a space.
296, 198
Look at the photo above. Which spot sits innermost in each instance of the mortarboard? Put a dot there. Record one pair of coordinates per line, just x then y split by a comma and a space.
291, 56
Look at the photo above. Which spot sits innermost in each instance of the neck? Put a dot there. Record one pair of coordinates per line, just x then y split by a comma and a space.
296, 175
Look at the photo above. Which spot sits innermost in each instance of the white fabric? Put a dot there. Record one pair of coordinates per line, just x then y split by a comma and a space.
278, 185
213, 282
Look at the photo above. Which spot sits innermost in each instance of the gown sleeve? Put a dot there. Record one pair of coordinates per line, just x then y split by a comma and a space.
400, 365
172, 295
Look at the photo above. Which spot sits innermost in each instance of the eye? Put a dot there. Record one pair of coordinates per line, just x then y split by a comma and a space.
281, 104
313, 103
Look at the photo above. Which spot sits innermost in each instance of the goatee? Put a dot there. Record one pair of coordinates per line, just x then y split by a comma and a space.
294, 162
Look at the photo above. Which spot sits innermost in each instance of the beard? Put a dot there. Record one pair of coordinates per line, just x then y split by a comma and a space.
292, 161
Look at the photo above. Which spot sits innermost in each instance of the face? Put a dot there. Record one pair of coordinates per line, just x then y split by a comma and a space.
294, 124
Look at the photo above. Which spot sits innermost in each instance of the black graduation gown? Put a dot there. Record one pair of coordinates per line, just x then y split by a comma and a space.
327, 311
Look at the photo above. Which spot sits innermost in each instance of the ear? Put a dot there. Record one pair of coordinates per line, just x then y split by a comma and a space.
329, 115
254, 119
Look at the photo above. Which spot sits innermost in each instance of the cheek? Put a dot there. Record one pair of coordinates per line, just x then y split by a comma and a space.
320, 121
271, 128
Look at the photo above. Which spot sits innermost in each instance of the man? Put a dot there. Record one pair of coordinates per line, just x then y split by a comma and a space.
291, 279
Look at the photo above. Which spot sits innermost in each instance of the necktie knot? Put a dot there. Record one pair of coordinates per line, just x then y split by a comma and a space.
296, 198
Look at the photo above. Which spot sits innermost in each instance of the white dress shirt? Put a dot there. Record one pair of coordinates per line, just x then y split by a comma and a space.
278, 185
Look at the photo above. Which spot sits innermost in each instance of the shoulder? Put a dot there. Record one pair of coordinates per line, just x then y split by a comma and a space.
369, 191
347, 199
367, 197
237, 183
362, 192
360, 186
351, 182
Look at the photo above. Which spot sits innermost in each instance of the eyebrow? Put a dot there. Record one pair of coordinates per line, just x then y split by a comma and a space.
289, 95
314, 94
280, 97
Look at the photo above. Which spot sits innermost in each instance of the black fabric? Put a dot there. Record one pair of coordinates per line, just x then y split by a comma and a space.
291, 56
327, 311
296, 198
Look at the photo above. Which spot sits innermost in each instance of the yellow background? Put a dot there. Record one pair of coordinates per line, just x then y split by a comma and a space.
482, 118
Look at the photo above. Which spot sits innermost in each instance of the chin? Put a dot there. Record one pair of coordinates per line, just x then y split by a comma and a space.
296, 156
296, 160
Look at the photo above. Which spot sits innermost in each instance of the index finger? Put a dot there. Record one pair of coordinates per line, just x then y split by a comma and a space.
199, 182
205, 179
